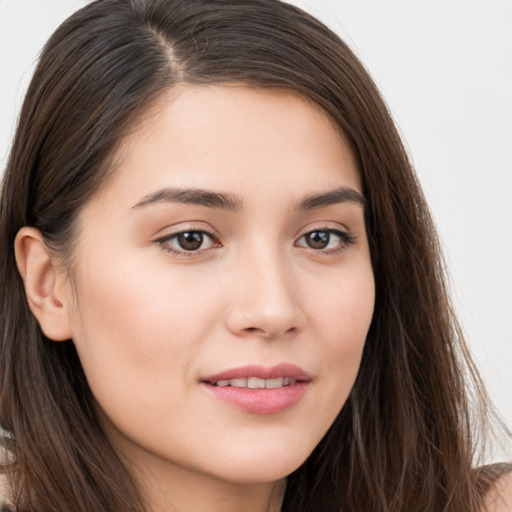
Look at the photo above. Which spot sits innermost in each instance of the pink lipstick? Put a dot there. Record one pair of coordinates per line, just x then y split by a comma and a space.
260, 389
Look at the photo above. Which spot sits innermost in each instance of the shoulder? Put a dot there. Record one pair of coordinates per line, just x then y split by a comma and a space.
499, 496
4, 494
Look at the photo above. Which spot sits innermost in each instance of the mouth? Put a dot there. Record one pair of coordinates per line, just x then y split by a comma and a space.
256, 383
259, 389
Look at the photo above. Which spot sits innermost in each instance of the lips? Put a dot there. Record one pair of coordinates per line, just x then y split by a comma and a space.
282, 370
259, 389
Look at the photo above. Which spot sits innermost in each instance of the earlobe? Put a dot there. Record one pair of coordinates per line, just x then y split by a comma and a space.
44, 284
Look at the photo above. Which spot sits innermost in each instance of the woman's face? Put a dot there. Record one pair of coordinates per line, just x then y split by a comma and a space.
222, 286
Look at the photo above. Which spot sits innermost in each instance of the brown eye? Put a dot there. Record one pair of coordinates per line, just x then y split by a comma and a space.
327, 240
317, 239
190, 241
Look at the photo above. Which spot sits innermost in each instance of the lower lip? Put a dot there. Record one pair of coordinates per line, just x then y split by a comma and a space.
260, 401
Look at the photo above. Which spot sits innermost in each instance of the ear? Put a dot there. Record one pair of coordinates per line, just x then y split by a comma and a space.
46, 284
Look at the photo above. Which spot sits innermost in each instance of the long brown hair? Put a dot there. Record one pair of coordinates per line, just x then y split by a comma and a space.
404, 441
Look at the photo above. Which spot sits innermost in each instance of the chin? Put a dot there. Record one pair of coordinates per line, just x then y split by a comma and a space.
265, 466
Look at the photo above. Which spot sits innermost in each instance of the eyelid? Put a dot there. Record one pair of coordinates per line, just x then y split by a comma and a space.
164, 240
325, 226
346, 237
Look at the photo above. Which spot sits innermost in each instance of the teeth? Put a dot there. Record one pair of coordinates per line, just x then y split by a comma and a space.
256, 383
274, 383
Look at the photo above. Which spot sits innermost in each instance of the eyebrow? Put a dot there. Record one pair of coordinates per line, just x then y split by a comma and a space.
195, 196
337, 196
230, 202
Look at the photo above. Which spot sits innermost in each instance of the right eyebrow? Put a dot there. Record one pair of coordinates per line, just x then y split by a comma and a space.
195, 196
336, 196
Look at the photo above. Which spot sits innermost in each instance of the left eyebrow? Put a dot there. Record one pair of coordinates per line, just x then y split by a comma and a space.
200, 197
337, 196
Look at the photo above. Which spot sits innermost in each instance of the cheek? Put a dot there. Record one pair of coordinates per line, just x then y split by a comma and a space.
133, 301
134, 326
343, 308
342, 316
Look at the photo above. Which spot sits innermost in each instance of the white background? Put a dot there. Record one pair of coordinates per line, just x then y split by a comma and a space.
445, 69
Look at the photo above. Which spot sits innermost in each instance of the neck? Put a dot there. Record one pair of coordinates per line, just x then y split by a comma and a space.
202, 493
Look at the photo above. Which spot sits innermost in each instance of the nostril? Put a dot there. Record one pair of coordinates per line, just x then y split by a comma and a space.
252, 329
262, 319
269, 332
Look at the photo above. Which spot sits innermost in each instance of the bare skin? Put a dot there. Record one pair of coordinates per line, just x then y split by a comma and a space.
499, 497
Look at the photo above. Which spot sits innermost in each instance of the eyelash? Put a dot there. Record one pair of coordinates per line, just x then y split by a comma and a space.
345, 240
165, 241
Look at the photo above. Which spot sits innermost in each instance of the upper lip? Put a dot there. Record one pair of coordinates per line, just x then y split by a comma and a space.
262, 372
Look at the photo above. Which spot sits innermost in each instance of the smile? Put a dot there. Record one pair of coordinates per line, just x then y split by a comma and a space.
259, 389
256, 383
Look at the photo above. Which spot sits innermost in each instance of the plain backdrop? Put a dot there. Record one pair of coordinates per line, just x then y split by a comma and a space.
445, 70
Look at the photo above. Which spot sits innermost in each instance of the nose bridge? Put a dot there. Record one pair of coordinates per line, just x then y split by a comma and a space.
266, 300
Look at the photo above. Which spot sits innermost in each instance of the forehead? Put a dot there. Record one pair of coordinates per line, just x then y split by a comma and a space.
224, 135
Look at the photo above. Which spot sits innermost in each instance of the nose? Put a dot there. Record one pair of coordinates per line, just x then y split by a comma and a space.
265, 299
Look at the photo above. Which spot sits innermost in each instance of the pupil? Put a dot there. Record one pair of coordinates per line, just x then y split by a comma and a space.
190, 241
318, 239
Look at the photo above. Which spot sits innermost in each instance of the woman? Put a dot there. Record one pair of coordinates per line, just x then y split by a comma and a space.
226, 290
